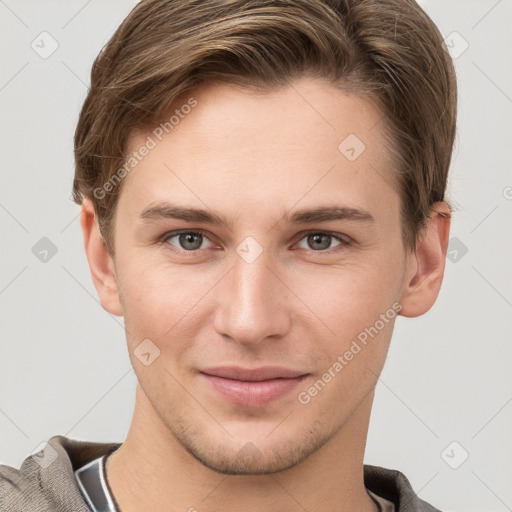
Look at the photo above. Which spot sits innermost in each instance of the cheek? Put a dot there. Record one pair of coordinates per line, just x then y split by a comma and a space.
360, 308
349, 298
157, 298
359, 305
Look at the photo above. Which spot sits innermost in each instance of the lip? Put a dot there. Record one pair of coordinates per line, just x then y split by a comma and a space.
252, 387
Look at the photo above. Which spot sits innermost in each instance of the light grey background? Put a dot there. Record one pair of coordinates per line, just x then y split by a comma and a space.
64, 365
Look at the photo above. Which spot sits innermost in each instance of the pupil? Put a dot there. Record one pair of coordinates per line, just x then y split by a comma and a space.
318, 239
189, 238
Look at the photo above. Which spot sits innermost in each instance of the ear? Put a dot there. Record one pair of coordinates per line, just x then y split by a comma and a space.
425, 268
100, 261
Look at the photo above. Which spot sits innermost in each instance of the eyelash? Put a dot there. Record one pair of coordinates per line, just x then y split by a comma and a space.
343, 239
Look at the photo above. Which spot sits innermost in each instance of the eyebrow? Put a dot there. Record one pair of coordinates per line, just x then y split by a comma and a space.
304, 216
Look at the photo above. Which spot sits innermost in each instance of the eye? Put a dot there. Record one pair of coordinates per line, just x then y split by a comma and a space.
193, 241
319, 241
188, 241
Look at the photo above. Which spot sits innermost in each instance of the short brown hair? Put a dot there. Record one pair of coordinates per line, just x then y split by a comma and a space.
387, 50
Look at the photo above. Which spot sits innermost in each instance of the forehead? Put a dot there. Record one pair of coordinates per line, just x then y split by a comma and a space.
303, 142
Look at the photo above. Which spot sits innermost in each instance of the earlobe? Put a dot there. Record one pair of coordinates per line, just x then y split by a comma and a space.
426, 265
100, 261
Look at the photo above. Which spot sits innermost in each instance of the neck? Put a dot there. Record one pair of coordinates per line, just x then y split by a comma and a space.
152, 471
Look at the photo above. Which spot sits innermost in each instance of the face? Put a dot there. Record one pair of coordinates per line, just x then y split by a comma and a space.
272, 310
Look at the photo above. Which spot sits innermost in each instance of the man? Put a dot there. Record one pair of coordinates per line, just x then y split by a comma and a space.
262, 188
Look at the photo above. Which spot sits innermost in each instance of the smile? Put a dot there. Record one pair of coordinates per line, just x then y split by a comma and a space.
252, 387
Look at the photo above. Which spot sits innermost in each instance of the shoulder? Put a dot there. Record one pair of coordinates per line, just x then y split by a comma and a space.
394, 486
46, 481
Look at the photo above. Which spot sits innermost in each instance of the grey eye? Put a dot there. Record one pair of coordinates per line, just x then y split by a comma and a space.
188, 240
319, 241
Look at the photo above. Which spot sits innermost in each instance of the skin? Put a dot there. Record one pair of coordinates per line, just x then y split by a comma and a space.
253, 158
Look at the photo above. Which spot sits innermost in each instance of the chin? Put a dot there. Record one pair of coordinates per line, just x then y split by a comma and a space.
249, 460
263, 456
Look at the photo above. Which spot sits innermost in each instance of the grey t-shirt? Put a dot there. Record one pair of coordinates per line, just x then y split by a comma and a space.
46, 480
92, 480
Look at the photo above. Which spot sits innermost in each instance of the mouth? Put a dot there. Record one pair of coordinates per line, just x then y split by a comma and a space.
252, 387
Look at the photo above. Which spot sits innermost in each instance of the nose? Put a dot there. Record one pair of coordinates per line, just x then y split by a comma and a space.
252, 302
